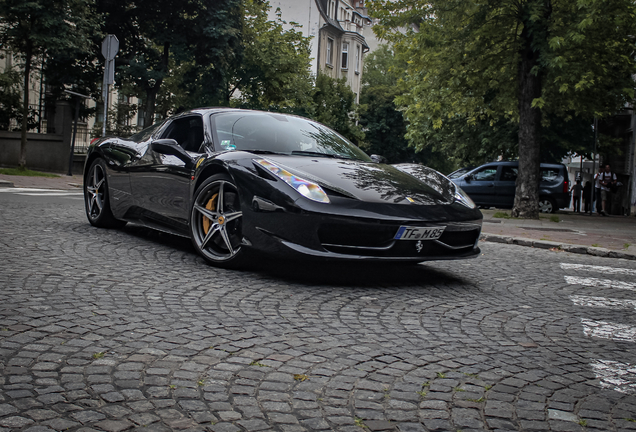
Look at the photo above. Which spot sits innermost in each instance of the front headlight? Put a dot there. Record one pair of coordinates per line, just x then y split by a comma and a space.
306, 188
463, 198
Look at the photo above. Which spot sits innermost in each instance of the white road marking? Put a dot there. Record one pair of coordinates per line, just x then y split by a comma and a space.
52, 194
42, 192
604, 283
602, 302
615, 375
599, 269
608, 330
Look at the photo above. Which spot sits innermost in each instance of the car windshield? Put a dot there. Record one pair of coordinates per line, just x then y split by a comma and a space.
281, 134
460, 172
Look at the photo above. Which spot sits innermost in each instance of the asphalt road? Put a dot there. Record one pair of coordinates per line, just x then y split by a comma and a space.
121, 329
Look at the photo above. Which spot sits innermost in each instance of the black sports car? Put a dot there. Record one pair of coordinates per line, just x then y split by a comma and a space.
238, 182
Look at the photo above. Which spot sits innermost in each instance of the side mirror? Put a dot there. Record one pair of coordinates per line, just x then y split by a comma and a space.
170, 147
378, 159
468, 178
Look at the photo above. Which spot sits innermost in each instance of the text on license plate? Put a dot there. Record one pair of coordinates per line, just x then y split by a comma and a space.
419, 233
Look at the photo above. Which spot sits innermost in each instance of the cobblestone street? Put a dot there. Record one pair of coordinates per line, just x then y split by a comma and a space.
116, 330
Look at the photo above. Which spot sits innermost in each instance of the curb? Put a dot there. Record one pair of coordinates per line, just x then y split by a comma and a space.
6, 183
566, 247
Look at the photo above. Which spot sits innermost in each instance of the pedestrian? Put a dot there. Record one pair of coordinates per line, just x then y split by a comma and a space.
587, 197
576, 190
607, 180
597, 192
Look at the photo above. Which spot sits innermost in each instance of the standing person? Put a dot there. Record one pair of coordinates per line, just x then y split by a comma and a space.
587, 197
606, 179
597, 191
576, 190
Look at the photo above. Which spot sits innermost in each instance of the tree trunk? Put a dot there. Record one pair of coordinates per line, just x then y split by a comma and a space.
526, 204
25, 109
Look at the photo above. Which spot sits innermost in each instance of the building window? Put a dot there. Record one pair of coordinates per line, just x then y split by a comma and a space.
333, 10
345, 55
358, 58
329, 51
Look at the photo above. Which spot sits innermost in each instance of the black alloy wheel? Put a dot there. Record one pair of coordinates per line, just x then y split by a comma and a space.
216, 222
96, 199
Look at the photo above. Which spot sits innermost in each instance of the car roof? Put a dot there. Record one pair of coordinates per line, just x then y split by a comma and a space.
516, 163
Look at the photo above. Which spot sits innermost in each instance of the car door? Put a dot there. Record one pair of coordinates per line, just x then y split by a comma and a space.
162, 182
506, 186
480, 185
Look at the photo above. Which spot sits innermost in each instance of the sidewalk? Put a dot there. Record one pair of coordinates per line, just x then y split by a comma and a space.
61, 182
611, 236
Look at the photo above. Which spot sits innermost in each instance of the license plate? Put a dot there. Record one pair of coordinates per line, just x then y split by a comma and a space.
419, 233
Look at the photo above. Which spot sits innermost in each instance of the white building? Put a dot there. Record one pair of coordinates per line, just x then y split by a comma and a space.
338, 29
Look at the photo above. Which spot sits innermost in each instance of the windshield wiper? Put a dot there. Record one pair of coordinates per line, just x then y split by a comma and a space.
258, 151
310, 153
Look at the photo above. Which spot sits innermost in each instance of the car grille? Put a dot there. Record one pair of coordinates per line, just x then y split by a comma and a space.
377, 240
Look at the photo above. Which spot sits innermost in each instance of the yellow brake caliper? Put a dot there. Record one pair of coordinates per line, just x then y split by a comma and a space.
210, 206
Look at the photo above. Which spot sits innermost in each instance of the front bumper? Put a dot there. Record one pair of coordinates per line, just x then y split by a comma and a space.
363, 233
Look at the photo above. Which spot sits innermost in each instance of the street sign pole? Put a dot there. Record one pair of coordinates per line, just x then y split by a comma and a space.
110, 47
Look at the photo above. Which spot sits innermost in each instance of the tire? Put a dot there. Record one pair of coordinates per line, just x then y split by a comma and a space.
216, 223
97, 199
547, 205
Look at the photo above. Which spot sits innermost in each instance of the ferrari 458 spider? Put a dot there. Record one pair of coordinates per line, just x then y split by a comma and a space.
242, 182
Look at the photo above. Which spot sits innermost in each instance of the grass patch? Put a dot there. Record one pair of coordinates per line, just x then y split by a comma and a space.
502, 215
421, 393
426, 384
487, 387
583, 422
98, 355
201, 383
481, 399
257, 363
440, 375
472, 375
25, 172
554, 218
458, 389
300, 377
626, 245
358, 422
595, 245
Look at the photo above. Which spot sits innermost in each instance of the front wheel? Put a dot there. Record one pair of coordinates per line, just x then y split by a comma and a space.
216, 222
96, 200
547, 205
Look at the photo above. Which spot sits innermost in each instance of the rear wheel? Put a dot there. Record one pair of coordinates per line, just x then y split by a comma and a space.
547, 205
96, 198
216, 222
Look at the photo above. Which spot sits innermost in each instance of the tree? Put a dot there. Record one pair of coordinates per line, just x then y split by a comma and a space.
32, 29
333, 105
199, 37
274, 73
529, 61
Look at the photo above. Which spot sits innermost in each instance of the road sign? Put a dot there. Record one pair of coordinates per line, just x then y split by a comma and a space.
110, 47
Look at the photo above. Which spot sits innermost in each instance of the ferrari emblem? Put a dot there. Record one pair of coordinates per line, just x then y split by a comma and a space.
419, 245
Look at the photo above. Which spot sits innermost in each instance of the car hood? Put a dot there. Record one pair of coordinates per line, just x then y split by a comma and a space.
372, 182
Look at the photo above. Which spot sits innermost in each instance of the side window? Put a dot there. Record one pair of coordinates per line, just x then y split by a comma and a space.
485, 174
549, 174
509, 173
187, 131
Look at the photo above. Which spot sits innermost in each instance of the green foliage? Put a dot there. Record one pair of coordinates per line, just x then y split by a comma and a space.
161, 39
25, 172
463, 57
10, 95
274, 73
334, 105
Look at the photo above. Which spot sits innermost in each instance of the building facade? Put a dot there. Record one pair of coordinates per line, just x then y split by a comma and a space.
338, 29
